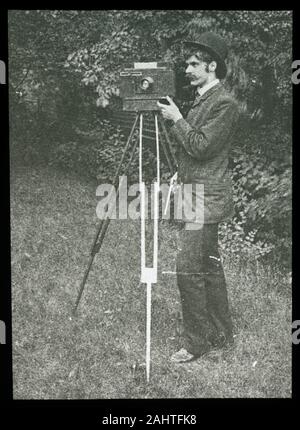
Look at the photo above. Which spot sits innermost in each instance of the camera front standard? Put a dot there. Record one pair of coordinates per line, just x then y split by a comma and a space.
144, 84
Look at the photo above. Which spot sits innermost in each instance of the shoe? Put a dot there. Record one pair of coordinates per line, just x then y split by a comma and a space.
183, 356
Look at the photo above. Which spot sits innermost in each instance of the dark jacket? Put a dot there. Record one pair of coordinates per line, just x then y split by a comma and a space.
204, 139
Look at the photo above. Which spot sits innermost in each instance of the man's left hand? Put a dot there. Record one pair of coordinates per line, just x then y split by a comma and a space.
170, 111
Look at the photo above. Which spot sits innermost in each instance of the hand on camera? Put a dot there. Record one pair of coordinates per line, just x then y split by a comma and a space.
169, 111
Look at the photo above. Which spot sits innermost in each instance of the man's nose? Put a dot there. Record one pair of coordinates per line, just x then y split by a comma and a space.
188, 69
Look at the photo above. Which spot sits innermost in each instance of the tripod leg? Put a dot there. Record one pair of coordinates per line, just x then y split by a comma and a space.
104, 223
173, 164
115, 180
116, 183
86, 273
165, 150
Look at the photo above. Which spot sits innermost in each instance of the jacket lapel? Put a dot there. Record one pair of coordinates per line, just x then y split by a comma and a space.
200, 99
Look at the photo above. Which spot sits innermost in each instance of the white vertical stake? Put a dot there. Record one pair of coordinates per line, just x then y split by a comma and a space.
142, 194
149, 274
148, 331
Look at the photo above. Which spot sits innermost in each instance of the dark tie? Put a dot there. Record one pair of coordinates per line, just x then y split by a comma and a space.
197, 98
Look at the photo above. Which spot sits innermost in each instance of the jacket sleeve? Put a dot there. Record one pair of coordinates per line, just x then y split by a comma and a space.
205, 141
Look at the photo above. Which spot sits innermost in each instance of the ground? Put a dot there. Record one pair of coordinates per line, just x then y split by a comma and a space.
100, 352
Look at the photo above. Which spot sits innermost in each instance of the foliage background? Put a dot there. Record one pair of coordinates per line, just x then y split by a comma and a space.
63, 73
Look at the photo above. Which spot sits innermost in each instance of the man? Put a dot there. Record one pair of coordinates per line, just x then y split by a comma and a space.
203, 142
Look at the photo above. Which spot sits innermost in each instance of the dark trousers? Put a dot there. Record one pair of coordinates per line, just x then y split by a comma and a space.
202, 287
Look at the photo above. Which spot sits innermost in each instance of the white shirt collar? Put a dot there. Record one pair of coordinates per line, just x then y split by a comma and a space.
207, 87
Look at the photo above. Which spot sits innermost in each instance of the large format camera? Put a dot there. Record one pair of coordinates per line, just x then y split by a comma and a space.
144, 84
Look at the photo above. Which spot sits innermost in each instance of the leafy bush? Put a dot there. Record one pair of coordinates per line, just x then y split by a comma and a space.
262, 197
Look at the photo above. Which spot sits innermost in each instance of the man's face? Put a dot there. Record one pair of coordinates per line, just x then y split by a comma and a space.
196, 71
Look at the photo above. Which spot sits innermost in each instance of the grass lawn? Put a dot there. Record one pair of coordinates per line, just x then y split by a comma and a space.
100, 352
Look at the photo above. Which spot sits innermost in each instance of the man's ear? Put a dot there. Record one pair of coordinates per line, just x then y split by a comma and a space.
212, 66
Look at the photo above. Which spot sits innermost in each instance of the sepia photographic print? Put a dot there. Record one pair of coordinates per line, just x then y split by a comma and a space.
150, 203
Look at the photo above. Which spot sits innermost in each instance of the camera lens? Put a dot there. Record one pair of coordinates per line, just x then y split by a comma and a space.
145, 84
